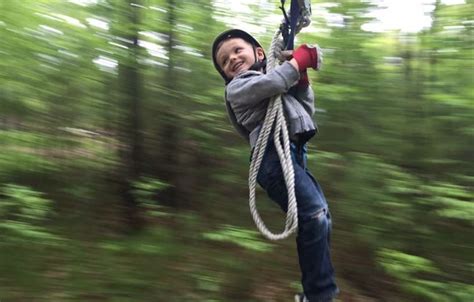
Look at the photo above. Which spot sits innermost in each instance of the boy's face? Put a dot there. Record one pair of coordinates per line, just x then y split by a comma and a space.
237, 55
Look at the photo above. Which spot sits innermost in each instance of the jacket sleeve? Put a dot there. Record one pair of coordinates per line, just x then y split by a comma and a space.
251, 87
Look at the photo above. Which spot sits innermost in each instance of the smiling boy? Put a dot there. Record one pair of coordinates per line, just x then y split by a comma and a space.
240, 60
237, 55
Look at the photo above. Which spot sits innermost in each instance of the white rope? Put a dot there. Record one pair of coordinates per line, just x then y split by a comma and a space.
275, 116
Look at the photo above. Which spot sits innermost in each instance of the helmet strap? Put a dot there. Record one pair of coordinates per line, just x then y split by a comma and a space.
258, 65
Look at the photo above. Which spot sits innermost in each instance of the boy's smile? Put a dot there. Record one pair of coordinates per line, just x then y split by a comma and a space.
236, 55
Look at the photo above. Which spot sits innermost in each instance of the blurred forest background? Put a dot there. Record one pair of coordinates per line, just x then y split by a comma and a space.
121, 178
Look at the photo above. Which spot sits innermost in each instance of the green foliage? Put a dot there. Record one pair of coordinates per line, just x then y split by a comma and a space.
208, 283
22, 212
247, 239
146, 187
413, 272
145, 190
25, 153
453, 201
141, 244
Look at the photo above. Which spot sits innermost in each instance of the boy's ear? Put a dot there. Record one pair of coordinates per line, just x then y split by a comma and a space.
260, 53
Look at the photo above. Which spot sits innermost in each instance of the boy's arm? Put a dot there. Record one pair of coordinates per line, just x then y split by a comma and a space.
249, 89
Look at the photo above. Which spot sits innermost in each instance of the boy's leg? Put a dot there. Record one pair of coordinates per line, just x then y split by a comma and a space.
313, 221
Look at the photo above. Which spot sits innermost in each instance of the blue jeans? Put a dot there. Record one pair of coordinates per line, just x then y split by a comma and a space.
314, 220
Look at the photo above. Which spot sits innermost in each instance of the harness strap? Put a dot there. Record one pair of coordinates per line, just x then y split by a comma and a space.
294, 17
300, 16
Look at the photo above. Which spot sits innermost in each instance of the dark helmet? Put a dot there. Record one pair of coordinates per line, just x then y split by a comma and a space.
235, 33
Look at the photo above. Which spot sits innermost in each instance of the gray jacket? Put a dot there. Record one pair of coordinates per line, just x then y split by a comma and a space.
247, 97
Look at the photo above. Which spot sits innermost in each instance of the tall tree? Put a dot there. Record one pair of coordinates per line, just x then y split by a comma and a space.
171, 119
130, 130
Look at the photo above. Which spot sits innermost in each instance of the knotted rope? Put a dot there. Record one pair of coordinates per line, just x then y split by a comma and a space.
275, 116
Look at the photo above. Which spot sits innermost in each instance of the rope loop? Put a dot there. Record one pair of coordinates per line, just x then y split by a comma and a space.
275, 118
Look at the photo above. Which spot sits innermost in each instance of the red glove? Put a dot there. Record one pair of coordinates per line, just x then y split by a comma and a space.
304, 80
308, 56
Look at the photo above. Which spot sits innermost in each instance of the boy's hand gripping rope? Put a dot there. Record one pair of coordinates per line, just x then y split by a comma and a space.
275, 115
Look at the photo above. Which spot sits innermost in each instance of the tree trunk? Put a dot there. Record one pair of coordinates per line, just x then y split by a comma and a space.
170, 129
130, 130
